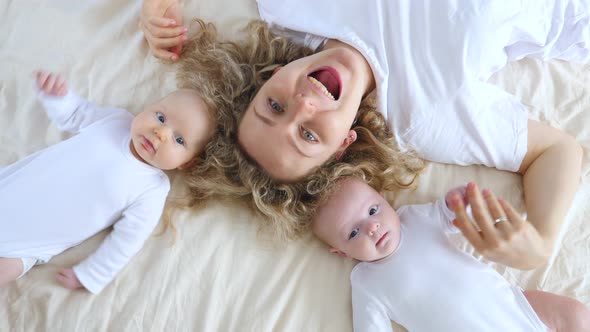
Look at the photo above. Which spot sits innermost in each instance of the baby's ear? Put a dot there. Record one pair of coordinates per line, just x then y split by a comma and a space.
338, 252
187, 164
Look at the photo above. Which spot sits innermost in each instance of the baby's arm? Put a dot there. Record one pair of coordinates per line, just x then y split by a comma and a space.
367, 313
68, 111
128, 236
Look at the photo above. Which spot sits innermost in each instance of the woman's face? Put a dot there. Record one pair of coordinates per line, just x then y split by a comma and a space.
302, 115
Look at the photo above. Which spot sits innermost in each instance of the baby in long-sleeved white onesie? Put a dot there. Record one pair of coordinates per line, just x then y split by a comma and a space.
110, 173
412, 274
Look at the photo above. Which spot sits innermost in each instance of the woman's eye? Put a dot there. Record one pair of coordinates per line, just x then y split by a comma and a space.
354, 233
160, 117
309, 136
275, 106
179, 140
373, 209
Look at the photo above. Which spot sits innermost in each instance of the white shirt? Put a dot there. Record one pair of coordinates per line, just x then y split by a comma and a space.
58, 197
428, 284
431, 60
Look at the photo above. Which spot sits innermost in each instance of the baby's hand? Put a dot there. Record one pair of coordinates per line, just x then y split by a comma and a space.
461, 191
67, 278
51, 84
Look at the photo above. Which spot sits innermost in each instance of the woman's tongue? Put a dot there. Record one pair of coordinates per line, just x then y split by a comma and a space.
329, 81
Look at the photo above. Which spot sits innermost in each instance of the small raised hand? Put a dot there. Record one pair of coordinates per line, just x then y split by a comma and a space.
51, 83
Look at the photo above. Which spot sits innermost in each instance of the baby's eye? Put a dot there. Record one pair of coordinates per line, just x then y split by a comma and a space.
309, 136
179, 140
161, 117
275, 106
354, 233
373, 209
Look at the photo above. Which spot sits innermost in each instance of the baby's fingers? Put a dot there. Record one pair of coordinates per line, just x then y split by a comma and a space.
48, 84
51, 84
62, 278
40, 77
66, 278
61, 87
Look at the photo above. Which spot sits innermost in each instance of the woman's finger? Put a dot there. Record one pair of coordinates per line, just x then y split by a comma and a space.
464, 224
161, 21
497, 211
166, 43
515, 219
164, 54
168, 32
152, 24
480, 212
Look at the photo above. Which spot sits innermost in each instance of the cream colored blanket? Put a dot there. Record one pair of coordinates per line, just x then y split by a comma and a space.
221, 275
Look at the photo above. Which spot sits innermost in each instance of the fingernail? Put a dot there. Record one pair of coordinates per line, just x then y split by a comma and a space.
173, 57
485, 192
185, 29
173, 22
184, 38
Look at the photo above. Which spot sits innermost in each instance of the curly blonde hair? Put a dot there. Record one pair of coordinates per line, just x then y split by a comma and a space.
228, 74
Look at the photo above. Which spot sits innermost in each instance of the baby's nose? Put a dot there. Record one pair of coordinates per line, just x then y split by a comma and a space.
373, 227
161, 132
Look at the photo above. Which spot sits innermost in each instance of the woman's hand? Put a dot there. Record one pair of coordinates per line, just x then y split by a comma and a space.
68, 279
503, 235
161, 22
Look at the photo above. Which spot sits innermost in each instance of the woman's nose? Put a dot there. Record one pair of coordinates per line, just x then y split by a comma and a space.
304, 105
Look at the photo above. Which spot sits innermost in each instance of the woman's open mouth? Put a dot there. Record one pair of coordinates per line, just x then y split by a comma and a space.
327, 80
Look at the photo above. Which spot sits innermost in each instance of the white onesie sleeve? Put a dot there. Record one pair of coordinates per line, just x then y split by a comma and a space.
368, 315
128, 236
73, 113
446, 216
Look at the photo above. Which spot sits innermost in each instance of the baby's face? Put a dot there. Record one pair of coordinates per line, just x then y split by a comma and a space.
358, 222
171, 132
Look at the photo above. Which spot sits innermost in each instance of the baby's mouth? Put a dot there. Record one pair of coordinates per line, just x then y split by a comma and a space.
147, 145
381, 239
